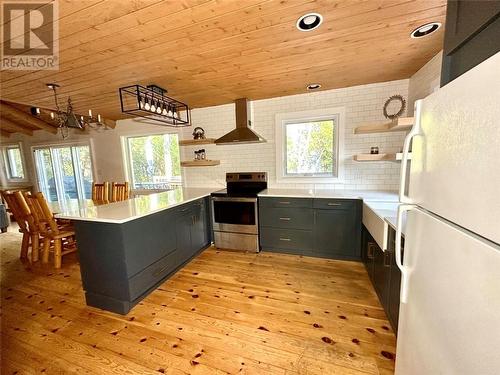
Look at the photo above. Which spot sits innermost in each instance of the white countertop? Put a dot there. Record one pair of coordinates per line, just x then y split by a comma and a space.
367, 195
121, 212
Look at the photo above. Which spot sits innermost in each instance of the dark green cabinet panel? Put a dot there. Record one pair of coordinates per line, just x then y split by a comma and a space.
395, 281
381, 274
471, 36
199, 228
337, 233
291, 218
286, 202
183, 224
122, 263
337, 228
368, 250
293, 241
329, 228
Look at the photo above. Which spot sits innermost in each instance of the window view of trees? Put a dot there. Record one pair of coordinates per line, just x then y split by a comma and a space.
310, 148
154, 161
14, 162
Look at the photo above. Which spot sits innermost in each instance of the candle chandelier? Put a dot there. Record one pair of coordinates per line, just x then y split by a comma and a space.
151, 102
68, 119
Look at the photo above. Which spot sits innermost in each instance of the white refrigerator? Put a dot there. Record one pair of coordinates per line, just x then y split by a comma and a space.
449, 321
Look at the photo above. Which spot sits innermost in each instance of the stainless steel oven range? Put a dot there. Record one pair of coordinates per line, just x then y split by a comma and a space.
235, 218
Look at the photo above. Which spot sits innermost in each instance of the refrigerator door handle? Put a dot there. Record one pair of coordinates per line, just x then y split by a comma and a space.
415, 130
402, 208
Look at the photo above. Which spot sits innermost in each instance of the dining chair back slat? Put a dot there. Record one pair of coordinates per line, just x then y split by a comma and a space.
100, 192
119, 192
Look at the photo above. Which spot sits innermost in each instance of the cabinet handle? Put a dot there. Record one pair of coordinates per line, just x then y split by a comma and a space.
160, 271
335, 204
285, 239
387, 259
369, 253
284, 202
285, 218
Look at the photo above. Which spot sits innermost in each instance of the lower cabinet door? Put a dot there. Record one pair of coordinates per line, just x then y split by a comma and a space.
183, 225
382, 274
292, 241
199, 227
151, 275
395, 284
336, 234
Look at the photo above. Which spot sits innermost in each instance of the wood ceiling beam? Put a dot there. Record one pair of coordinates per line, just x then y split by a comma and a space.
14, 127
11, 111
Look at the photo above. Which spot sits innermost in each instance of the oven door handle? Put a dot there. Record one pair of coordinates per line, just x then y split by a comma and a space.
233, 199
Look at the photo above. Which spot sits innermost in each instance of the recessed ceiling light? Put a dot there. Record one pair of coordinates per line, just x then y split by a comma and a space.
309, 21
313, 86
425, 30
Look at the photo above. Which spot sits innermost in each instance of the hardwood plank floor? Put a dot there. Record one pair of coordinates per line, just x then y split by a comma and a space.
225, 312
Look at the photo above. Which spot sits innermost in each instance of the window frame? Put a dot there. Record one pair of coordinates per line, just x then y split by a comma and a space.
6, 162
72, 143
127, 159
283, 119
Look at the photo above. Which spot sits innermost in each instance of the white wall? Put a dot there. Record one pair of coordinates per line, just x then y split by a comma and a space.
425, 81
363, 104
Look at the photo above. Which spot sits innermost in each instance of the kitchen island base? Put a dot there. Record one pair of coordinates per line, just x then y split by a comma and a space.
121, 263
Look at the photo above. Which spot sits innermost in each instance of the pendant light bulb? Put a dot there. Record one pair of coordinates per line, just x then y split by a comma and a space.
147, 106
164, 111
170, 113
158, 109
153, 107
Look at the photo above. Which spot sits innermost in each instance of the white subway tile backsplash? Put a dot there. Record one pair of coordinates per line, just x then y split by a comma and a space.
363, 104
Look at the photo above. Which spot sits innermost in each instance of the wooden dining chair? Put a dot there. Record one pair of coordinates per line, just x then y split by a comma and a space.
31, 223
59, 238
19, 217
119, 192
100, 192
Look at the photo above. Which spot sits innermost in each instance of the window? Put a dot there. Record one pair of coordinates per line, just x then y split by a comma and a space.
153, 161
14, 164
64, 172
308, 146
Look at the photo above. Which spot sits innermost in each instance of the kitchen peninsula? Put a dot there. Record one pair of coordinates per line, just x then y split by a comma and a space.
128, 248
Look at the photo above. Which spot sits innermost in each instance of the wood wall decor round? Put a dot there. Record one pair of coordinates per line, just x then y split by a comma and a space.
395, 98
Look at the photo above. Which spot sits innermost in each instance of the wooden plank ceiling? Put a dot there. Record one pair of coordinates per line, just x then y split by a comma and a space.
210, 52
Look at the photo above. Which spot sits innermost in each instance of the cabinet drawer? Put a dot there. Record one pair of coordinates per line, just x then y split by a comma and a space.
152, 274
334, 204
285, 202
293, 239
293, 218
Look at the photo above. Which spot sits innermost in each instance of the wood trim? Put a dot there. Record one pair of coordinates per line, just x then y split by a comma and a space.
15, 127
199, 163
192, 142
9, 110
401, 124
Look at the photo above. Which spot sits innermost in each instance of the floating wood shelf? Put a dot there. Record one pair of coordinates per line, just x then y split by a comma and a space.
192, 142
380, 157
401, 124
199, 163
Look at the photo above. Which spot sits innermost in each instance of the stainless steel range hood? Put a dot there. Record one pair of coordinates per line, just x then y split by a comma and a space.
242, 133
